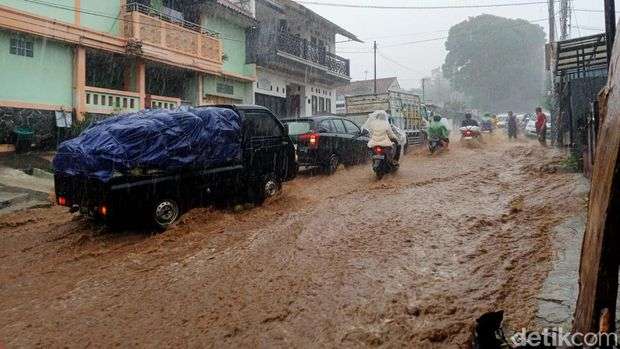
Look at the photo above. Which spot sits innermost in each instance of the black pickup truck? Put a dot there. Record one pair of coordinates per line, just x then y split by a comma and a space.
267, 160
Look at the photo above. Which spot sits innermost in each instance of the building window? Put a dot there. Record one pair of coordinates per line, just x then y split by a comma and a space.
321, 104
22, 47
226, 88
328, 105
314, 105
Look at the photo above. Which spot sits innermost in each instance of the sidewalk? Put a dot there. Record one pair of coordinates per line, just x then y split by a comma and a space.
19, 190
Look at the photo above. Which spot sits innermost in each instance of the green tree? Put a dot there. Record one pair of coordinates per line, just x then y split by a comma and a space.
498, 63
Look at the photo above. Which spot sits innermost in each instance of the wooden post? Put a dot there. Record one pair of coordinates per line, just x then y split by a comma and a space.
141, 82
201, 94
598, 272
79, 82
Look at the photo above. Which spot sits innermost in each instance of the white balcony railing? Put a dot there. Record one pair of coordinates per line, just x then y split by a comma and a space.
160, 102
106, 101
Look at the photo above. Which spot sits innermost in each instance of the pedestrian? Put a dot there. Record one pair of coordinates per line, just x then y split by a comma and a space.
512, 125
541, 126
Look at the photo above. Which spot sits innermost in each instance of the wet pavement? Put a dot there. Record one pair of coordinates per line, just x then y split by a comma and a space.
339, 261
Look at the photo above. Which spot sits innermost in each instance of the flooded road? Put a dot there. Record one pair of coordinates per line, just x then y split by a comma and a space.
339, 261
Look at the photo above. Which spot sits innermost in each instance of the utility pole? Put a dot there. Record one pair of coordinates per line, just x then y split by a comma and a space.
423, 89
610, 26
551, 21
564, 19
375, 48
551, 53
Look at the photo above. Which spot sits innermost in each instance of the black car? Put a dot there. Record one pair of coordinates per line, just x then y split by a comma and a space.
268, 159
327, 141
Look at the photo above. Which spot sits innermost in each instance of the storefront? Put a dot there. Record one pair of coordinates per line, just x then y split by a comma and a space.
271, 93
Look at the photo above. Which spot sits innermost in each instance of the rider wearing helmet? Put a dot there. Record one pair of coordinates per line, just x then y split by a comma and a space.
438, 130
468, 121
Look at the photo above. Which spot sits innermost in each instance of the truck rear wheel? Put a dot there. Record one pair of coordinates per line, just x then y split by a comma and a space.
265, 188
165, 212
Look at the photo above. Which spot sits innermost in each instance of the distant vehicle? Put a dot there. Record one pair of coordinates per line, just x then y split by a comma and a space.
266, 159
327, 141
502, 119
486, 125
470, 133
530, 128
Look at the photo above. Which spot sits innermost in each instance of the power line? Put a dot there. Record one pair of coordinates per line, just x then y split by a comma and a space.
394, 36
333, 4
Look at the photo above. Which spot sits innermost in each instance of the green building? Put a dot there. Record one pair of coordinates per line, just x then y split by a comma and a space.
96, 58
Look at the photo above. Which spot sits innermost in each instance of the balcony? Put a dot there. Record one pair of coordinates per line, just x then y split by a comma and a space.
106, 101
161, 102
302, 49
155, 30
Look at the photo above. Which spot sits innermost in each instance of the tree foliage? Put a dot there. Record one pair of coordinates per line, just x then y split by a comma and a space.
498, 63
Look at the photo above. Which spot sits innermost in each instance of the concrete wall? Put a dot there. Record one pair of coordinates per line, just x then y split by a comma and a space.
45, 78
101, 15
242, 91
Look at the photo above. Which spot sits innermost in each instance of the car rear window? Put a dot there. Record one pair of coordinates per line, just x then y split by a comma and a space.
298, 127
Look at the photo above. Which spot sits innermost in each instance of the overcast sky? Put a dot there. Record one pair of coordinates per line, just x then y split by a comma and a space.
411, 62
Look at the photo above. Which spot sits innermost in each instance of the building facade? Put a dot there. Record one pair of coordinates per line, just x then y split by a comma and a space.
297, 68
103, 57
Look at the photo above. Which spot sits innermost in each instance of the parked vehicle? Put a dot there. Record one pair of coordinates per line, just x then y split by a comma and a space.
384, 160
328, 141
502, 119
530, 128
259, 158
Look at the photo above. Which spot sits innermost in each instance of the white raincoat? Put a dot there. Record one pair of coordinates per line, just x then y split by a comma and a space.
381, 132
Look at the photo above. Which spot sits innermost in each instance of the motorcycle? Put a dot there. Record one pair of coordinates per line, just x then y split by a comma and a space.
384, 161
434, 144
470, 134
486, 126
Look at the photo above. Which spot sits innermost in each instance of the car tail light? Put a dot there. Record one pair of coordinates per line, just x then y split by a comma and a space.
312, 139
103, 210
377, 150
467, 133
62, 201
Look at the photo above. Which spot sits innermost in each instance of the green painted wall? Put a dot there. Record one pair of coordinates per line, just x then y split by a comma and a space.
61, 10
233, 41
101, 15
241, 90
45, 78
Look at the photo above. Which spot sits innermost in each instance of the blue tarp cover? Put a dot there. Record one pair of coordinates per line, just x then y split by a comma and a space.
187, 138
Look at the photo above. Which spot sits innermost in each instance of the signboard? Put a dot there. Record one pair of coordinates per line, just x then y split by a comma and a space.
63, 119
367, 104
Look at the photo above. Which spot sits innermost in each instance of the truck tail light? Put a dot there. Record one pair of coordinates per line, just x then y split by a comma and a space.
103, 210
62, 201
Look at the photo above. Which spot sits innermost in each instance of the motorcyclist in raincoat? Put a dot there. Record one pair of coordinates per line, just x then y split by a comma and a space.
382, 133
438, 130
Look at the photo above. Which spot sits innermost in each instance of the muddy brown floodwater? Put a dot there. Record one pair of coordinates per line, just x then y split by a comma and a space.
340, 261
